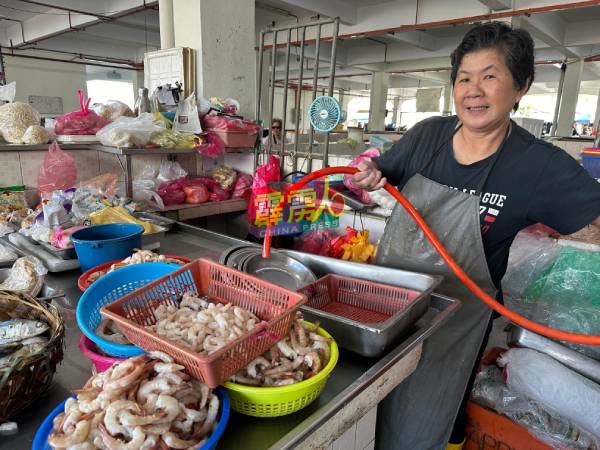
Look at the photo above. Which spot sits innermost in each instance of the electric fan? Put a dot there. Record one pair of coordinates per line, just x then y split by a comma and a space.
325, 113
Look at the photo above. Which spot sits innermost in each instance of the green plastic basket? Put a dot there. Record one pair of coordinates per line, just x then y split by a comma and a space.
280, 401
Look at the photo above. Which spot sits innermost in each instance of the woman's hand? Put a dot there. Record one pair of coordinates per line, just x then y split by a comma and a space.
368, 177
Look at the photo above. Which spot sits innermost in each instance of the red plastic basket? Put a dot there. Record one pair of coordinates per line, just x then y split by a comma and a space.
274, 305
84, 280
358, 300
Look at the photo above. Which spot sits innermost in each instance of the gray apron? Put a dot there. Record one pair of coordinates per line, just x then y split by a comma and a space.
420, 413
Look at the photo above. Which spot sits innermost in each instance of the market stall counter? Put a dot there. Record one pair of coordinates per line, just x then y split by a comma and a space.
356, 385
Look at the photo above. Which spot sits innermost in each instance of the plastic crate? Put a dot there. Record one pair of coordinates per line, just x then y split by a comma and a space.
591, 163
358, 300
272, 304
236, 139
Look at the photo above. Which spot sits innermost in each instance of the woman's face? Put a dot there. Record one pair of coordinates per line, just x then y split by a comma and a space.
484, 90
276, 129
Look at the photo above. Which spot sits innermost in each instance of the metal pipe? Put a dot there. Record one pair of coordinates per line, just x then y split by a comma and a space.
285, 99
563, 70
336, 28
299, 99
62, 8
315, 77
259, 92
272, 98
43, 58
309, 24
306, 155
79, 55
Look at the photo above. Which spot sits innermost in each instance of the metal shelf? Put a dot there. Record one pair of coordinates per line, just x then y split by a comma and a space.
141, 151
186, 211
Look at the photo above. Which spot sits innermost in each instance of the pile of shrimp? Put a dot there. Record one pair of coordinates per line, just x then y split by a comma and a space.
144, 403
300, 355
202, 325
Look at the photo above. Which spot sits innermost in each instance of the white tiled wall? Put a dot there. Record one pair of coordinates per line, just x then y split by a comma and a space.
360, 436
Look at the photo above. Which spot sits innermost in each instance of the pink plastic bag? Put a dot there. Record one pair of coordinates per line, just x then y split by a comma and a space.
265, 174
213, 148
82, 122
196, 194
316, 242
219, 194
172, 192
58, 171
208, 182
362, 194
211, 122
242, 184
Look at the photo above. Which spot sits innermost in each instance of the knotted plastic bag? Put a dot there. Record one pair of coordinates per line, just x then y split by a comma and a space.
58, 171
82, 122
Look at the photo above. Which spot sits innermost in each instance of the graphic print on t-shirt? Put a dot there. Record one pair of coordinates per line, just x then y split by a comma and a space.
490, 206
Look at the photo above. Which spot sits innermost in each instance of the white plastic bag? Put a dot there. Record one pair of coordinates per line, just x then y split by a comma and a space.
130, 132
187, 119
545, 380
170, 171
144, 188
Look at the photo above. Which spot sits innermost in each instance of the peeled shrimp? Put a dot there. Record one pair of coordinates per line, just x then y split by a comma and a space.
82, 429
251, 368
112, 443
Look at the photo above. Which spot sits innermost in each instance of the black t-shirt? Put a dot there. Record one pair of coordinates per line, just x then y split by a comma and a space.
532, 181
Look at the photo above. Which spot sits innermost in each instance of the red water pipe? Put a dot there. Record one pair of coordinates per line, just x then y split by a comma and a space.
550, 332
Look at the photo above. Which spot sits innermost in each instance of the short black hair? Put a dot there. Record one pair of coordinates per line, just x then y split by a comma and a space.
516, 45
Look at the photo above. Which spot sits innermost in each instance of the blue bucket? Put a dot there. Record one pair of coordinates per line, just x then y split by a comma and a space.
103, 243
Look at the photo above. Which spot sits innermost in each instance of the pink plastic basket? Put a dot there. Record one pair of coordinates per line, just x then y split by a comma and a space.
90, 351
272, 304
236, 139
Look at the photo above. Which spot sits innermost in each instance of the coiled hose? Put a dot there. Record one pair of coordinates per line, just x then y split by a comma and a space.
514, 317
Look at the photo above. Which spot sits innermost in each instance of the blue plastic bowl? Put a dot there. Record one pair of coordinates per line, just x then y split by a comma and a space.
40, 441
103, 243
111, 287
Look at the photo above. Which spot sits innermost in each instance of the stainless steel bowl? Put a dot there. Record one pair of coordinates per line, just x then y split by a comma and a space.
279, 269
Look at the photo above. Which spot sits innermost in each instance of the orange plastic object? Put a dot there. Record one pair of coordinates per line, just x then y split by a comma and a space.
355, 299
274, 305
487, 430
84, 280
550, 332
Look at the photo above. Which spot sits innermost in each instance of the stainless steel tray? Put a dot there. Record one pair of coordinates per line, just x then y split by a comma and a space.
62, 253
52, 263
161, 221
280, 269
588, 367
369, 340
152, 241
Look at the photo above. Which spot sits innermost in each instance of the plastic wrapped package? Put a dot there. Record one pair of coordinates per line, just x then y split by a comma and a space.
204, 106
225, 177
170, 171
490, 391
104, 185
541, 378
196, 194
26, 275
172, 192
82, 122
316, 242
187, 119
112, 110
242, 185
226, 105
144, 188
58, 171
12, 199
362, 194
38, 232
213, 147
60, 238
118, 214
171, 139
15, 118
383, 198
36, 134
6, 254
218, 194
225, 123
55, 212
130, 132
207, 182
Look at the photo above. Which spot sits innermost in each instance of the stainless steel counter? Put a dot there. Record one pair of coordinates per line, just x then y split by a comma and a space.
356, 385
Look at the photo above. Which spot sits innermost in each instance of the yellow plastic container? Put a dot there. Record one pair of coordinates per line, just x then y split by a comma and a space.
282, 400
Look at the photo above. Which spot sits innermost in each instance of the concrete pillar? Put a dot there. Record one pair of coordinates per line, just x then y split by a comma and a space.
395, 111
596, 121
570, 93
379, 88
447, 108
165, 17
222, 33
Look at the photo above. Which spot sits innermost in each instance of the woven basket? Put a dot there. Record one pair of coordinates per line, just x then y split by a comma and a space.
23, 382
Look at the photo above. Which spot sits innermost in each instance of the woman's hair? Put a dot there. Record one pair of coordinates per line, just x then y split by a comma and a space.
277, 120
515, 45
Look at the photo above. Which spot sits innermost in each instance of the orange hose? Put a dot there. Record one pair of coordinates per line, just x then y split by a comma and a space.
550, 332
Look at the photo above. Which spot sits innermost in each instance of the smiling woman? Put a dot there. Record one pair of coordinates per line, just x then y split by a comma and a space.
478, 179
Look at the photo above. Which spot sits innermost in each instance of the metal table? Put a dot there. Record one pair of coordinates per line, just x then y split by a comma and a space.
355, 386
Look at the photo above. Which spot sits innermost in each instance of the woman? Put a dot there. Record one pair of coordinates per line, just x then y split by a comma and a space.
276, 132
478, 179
